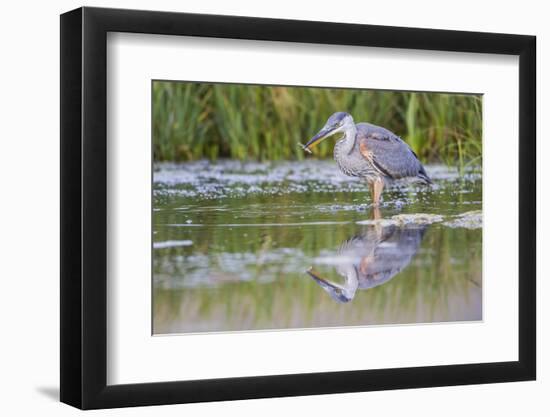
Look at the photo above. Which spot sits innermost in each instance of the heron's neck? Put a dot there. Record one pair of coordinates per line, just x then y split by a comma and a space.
351, 283
348, 287
348, 141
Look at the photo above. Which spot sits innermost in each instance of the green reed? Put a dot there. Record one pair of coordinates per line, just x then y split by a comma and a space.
195, 120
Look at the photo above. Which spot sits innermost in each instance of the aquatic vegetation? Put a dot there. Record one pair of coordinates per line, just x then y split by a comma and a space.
418, 219
192, 121
230, 178
470, 220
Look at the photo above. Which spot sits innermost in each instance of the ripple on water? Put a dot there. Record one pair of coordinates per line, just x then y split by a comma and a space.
171, 244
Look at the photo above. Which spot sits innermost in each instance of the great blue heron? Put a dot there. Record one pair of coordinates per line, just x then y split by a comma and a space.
370, 152
372, 258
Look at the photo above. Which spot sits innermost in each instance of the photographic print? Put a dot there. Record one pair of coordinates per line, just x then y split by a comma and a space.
334, 184
289, 207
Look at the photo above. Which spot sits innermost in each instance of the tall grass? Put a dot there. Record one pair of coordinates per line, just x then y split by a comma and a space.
196, 120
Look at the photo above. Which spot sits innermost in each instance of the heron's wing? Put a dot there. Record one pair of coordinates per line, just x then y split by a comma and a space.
388, 153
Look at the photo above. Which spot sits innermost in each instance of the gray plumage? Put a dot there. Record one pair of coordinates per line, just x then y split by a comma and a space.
391, 158
391, 155
370, 152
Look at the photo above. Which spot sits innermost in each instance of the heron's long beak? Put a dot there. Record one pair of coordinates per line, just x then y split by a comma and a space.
320, 280
318, 138
334, 290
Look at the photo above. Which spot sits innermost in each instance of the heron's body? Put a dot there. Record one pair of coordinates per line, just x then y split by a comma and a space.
371, 152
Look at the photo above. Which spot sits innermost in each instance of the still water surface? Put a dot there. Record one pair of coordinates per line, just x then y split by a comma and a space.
252, 246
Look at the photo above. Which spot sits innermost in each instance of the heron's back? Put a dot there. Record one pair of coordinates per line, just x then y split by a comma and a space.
379, 153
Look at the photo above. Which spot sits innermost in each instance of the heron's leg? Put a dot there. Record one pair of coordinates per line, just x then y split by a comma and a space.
378, 186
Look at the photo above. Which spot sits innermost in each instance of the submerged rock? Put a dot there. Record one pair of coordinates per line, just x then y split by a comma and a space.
406, 220
420, 218
469, 220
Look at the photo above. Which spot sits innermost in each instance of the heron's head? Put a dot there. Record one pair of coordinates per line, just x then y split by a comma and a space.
338, 122
339, 293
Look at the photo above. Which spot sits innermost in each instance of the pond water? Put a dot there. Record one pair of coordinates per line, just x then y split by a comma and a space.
255, 246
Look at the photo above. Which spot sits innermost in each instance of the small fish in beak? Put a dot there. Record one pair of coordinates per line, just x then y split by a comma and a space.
338, 122
318, 138
304, 147
330, 129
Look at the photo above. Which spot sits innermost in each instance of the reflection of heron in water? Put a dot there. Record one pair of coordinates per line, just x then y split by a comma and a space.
372, 258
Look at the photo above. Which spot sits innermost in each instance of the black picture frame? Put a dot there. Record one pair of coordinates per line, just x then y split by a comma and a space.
84, 207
